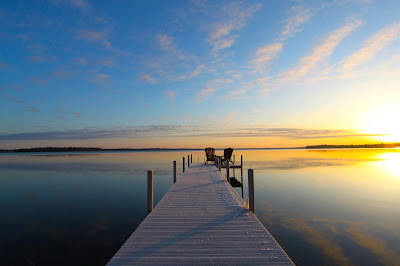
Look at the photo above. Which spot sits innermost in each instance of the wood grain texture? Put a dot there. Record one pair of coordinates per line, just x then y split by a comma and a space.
201, 220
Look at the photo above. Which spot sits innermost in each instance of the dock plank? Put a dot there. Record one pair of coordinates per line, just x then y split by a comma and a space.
201, 220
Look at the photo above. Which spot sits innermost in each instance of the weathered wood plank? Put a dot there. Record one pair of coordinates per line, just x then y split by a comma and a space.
201, 220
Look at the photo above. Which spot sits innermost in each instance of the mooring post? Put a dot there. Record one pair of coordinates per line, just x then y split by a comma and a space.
227, 171
251, 190
241, 165
188, 161
219, 163
234, 158
174, 172
149, 191
191, 158
183, 163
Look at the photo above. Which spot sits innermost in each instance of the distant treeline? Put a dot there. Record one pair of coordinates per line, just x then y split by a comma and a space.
382, 145
54, 149
77, 149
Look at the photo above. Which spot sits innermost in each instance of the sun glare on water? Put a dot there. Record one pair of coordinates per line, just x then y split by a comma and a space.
385, 122
391, 162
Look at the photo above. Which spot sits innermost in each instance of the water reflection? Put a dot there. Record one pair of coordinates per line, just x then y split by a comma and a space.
331, 207
323, 207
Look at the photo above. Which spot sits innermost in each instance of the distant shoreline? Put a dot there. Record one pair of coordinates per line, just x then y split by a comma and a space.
96, 149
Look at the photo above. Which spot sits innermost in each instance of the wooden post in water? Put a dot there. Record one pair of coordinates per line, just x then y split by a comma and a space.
191, 158
227, 171
234, 158
188, 161
183, 163
149, 191
251, 190
241, 165
219, 163
174, 172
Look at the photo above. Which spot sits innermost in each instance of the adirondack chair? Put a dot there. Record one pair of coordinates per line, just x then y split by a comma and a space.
210, 155
227, 156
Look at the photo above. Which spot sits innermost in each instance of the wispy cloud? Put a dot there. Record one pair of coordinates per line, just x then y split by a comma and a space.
99, 37
4, 65
100, 78
79, 4
197, 71
92, 133
288, 133
234, 17
372, 46
319, 54
167, 43
171, 95
148, 78
14, 99
239, 93
43, 59
76, 114
38, 81
264, 56
297, 17
31, 109
211, 87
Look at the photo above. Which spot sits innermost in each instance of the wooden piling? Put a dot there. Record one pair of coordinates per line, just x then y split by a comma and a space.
219, 163
251, 190
227, 171
174, 172
188, 161
183, 164
241, 165
149, 191
191, 158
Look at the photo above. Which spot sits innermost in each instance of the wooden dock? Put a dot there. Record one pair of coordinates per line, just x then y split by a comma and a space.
201, 220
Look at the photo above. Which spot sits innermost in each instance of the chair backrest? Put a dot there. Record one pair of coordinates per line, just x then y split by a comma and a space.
210, 152
228, 153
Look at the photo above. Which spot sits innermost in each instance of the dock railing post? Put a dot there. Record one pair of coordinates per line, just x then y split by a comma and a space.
251, 190
241, 165
219, 163
149, 191
183, 163
174, 172
227, 171
188, 161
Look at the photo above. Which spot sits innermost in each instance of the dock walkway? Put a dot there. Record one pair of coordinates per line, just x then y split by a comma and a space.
201, 220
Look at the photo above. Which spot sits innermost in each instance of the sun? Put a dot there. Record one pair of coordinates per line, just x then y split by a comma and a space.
384, 121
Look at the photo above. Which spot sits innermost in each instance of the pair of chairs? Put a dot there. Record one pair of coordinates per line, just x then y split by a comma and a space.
210, 154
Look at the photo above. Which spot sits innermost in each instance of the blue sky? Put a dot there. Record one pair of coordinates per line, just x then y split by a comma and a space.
198, 73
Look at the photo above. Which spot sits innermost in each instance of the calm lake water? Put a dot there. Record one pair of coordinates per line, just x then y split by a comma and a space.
335, 207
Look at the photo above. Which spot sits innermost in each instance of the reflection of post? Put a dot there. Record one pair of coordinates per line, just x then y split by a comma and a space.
174, 172
251, 190
241, 165
227, 170
149, 191
183, 163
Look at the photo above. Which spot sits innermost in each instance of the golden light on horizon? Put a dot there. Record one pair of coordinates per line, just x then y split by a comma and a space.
384, 120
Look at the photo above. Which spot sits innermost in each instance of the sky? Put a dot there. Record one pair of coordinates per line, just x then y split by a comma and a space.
192, 74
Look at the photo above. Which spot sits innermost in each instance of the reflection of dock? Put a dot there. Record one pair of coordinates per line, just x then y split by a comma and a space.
201, 220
